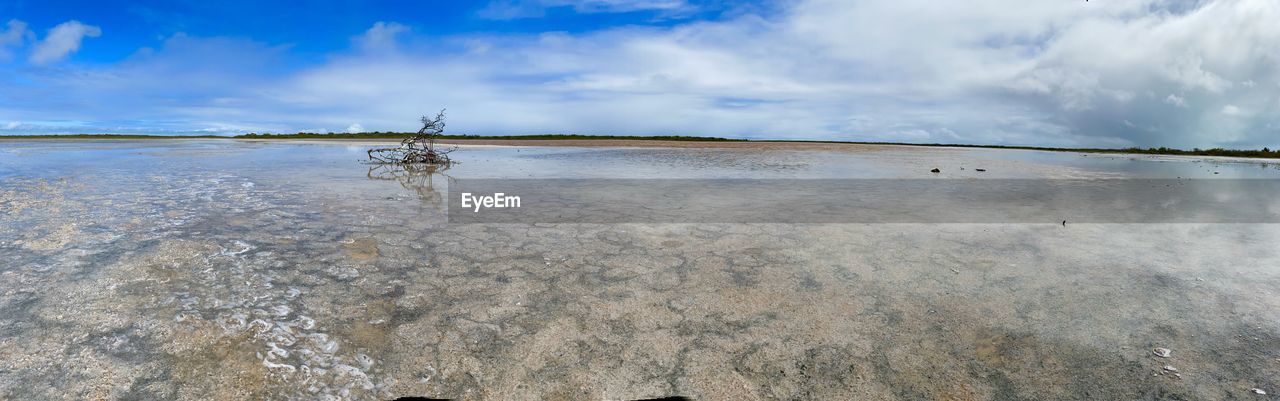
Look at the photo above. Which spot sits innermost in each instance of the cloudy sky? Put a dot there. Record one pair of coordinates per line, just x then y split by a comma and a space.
1182, 73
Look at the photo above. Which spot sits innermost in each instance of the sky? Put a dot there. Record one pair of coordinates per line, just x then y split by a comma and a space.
1101, 73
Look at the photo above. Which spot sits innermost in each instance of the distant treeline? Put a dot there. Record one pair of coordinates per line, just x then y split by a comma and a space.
1261, 153
1264, 152
383, 135
108, 136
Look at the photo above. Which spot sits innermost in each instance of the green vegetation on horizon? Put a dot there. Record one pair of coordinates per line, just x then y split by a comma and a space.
1267, 153
384, 135
1262, 153
1216, 151
109, 136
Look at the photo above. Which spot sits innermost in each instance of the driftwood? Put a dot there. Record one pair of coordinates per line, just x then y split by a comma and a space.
417, 149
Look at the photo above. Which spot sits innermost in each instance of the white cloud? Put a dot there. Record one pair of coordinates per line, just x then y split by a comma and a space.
14, 35
984, 71
354, 128
1231, 110
514, 9
1056, 73
619, 6
381, 37
61, 41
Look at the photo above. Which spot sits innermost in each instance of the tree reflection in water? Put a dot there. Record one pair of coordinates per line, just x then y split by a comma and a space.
417, 177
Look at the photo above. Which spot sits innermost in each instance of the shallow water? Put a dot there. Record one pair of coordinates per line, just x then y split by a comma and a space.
232, 270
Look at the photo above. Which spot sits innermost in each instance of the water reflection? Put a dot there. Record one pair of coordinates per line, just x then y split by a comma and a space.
416, 177
276, 271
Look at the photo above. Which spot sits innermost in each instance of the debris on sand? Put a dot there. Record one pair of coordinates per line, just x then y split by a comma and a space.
935, 170
1258, 391
980, 170
1162, 352
419, 149
953, 270
1170, 368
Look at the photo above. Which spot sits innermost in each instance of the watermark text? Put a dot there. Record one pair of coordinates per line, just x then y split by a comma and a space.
497, 200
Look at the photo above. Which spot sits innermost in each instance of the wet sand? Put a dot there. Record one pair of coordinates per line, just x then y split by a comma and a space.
608, 143
624, 143
290, 271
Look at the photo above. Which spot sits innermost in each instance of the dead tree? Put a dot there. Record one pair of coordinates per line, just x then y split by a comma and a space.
417, 149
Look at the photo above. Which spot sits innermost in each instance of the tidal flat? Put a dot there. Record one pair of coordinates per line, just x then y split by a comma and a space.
220, 269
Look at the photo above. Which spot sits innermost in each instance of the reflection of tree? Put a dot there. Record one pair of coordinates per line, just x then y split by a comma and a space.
416, 177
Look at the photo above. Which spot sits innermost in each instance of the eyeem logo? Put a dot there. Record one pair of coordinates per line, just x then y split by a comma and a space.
497, 200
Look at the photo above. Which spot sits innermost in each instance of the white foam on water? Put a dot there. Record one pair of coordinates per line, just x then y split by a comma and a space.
245, 291
239, 291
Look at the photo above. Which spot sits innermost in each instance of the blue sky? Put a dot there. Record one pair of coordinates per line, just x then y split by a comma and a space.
312, 28
1187, 73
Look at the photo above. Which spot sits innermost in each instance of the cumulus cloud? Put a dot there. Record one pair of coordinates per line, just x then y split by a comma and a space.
988, 71
514, 9
12, 36
380, 37
1142, 72
61, 41
355, 128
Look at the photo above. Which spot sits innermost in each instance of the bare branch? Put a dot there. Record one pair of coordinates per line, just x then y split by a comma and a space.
417, 149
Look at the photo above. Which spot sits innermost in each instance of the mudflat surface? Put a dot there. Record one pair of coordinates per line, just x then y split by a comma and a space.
234, 270
685, 144
636, 143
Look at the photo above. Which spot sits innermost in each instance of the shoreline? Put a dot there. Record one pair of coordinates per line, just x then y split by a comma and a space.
571, 143
643, 142
633, 143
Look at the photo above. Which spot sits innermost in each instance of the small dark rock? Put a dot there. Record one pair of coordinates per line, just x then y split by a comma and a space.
935, 171
980, 170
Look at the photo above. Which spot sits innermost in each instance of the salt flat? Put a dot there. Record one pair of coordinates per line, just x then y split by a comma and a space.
239, 269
